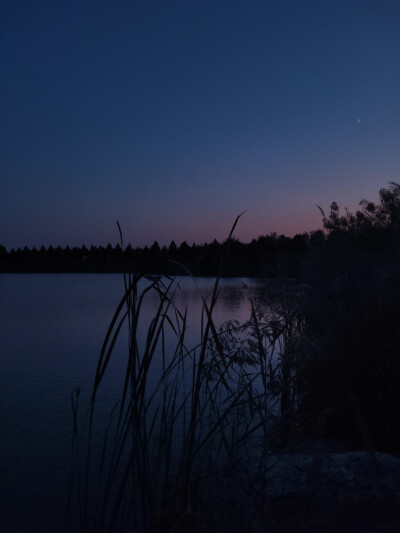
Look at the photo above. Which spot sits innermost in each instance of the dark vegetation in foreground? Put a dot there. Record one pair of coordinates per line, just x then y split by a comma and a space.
318, 358
352, 316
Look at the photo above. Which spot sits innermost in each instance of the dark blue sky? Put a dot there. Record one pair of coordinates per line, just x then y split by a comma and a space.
175, 116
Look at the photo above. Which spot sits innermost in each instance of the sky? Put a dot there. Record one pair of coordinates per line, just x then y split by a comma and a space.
175, 116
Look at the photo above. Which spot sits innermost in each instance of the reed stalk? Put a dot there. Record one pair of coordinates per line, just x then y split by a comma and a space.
205, 422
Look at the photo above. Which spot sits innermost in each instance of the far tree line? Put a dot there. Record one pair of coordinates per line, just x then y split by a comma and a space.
372, 233
270, 255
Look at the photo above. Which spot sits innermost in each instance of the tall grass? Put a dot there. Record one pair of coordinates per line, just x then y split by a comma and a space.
187, 444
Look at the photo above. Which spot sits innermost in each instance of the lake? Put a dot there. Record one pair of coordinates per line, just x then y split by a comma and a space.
51, 332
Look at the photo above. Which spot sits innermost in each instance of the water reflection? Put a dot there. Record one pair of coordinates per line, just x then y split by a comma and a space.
51, 331
232, 298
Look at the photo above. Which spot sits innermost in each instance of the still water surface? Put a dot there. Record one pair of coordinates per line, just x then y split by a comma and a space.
51, 331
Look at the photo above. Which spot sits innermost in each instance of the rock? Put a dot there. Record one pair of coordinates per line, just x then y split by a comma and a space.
320, 491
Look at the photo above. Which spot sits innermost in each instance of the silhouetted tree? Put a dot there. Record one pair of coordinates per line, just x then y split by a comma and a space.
155, 248
184, 248
172, 248
352, 317
317, 237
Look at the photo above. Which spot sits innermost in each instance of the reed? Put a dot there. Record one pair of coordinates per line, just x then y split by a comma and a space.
188, 449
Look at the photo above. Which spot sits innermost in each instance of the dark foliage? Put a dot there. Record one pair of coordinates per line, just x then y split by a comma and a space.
352, 314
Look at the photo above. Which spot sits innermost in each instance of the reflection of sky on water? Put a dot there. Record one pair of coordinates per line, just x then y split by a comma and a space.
51, 332
233, 297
